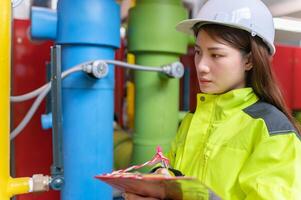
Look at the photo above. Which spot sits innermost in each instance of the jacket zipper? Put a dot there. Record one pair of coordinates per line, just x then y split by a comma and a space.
205, 155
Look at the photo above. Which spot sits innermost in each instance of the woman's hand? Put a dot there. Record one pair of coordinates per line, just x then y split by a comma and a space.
131, 196
163, 171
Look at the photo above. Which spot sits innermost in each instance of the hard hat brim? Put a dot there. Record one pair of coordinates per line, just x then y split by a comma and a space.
186, 26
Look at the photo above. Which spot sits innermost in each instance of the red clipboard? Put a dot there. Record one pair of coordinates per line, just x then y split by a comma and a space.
157, 186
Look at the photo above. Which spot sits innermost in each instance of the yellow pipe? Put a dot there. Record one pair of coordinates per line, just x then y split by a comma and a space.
130, 96
8, 185
5, 37
18, 186
133, 3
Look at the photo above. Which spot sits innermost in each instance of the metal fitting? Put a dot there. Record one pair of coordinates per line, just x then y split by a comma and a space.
100, 69
87, 67
175, 69
57, 182
40, 183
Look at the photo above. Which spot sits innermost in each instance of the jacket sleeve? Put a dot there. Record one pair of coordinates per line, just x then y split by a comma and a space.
273, 171
179, 139
171, 154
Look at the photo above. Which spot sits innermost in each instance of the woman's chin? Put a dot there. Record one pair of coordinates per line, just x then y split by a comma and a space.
208, 90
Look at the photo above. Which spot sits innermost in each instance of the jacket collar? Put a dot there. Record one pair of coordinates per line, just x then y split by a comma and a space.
227, 102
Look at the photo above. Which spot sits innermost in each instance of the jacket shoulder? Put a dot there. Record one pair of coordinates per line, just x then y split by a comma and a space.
275, 120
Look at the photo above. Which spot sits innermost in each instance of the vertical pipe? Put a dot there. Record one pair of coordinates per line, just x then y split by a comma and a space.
186, 89
8, 186
297, 115
86, 30
130, 97
87, 126
5, 38
154, 41
87, 103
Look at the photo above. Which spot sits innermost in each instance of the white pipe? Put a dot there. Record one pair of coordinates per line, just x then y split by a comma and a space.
43, 92
287, 24
30, 113
36, 92
285, 7
21, 9
87, 67
194, 6
83, 66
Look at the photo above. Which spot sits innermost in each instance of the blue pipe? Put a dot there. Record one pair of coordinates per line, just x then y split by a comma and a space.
87, 126
186, 89
44, 23
87, 103
46, 121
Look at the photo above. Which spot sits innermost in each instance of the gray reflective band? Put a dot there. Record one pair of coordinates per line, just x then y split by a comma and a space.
213, 196
275, 120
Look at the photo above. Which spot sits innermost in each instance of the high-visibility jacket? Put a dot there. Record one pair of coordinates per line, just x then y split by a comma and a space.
239, 147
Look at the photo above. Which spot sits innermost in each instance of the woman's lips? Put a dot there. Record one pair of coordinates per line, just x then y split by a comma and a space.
204, 81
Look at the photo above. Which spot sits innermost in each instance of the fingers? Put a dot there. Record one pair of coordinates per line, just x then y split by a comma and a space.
131, 196
163, 171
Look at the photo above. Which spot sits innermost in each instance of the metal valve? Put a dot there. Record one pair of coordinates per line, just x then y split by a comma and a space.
175, 69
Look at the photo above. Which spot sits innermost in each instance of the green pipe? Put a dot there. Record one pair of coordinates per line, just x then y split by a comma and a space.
123, 147
297, 115
154, 41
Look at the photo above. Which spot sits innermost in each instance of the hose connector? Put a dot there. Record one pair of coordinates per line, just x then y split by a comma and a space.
40, 183
98, 69
175, 70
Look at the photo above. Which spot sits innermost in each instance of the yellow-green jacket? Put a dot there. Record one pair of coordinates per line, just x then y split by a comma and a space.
240, 147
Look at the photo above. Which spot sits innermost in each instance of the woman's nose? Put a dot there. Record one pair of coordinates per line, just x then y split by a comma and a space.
202, 66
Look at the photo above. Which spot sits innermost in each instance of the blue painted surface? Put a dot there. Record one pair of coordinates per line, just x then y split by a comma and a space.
43, 23
46, 121
88, 126
89, 22
87, 30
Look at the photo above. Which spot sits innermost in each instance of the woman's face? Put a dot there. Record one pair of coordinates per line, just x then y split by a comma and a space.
220, 67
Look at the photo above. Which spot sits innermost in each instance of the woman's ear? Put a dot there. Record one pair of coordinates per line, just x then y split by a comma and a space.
248, 62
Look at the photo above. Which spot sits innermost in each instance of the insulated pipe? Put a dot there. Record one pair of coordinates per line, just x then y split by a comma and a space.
87, 103
282, 8
154, 41
8, 186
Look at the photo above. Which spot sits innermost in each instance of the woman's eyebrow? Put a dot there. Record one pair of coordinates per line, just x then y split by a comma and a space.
214, 48
209, 48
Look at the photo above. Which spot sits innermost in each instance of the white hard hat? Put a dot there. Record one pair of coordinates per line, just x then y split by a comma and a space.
250, 15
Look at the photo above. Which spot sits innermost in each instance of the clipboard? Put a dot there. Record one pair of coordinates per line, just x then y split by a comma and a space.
157, 186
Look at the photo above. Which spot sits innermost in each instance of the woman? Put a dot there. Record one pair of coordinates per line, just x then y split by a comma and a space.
241, 141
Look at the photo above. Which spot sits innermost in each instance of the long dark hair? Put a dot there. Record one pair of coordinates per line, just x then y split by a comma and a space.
261, 77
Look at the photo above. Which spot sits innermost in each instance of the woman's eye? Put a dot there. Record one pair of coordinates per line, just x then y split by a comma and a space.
197, 52
216, 56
